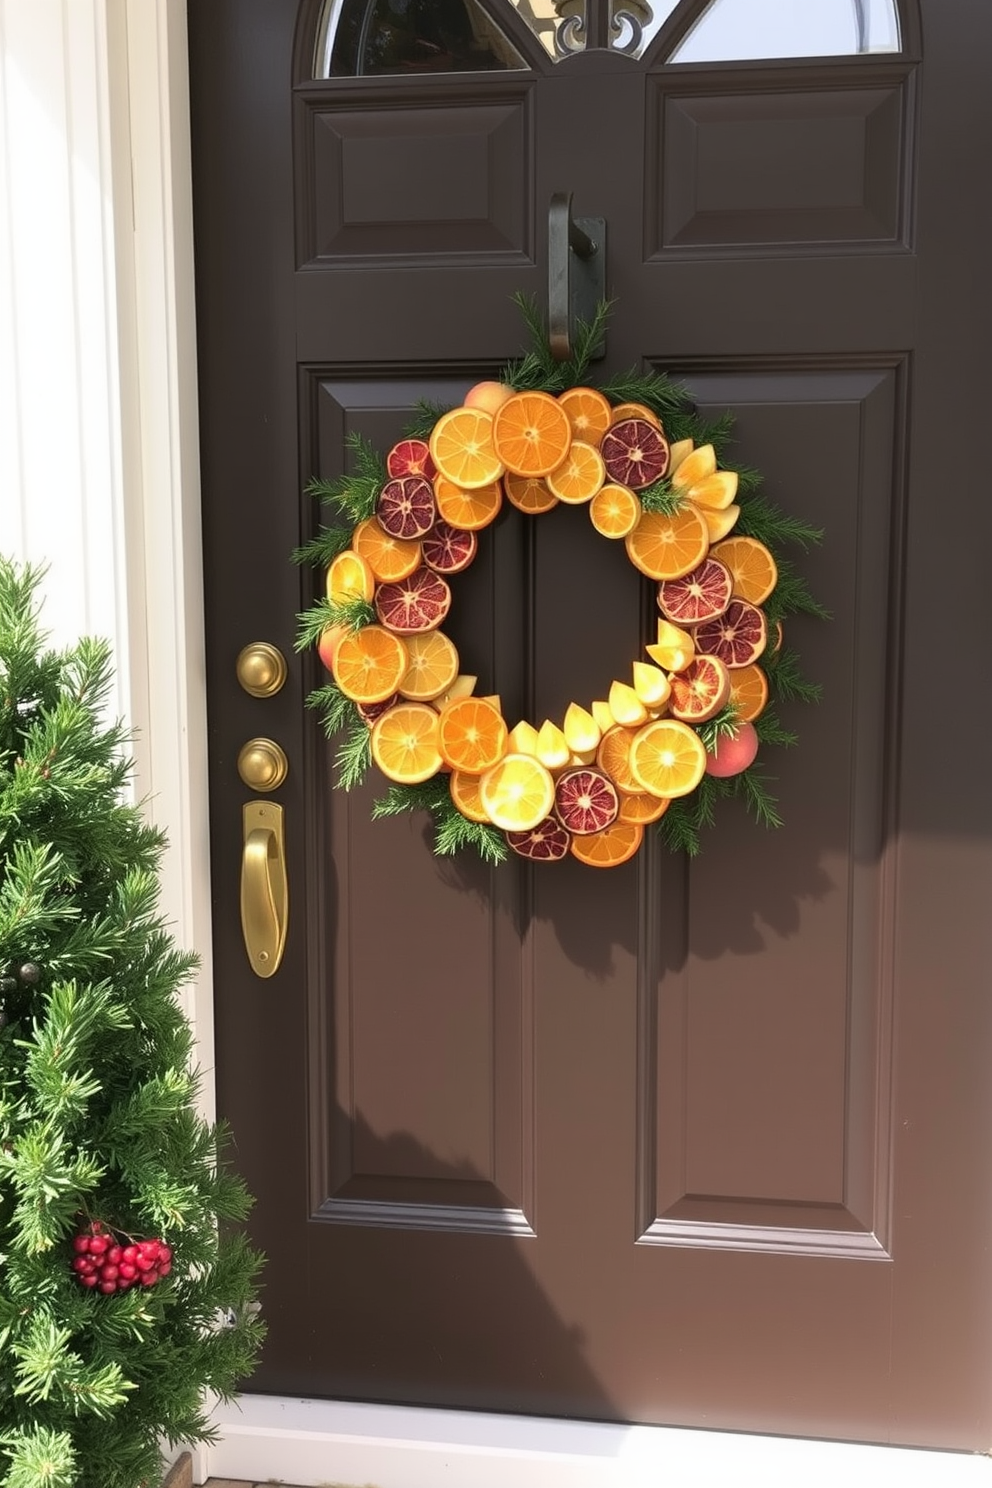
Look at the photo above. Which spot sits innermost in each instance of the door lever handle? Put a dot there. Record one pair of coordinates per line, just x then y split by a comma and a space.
264, 887
576, 274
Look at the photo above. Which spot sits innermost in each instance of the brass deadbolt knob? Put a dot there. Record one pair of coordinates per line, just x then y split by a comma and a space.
261, 669
262, 764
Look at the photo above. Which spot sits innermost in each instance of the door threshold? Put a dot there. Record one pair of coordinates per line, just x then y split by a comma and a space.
322, 1442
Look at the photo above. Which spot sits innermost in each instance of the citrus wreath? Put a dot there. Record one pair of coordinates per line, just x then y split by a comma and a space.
663, 747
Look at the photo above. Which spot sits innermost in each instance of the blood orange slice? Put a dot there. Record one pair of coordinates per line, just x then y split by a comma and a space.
586, 801
433, 666
462, 448
609, 848
579, 476
406, 507
634, 410
700, 691
667, 758
635, 453
642, 808
464, 791
700, 595
614, 510
468, 510
389, 558
531, 433
414, 604
589, 413
748, 692
404, 743
529, 493
548, 842
752, 567
369, 664
448, 549
613, 756
517, 793
737, 637
666, 547
411, 457
472, 735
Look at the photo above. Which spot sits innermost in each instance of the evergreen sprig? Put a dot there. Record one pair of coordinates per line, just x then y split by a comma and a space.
786, 678
452, 831
336, 711
792, 596
324, 548
661, 497
354, 757
722, 725
354, 614
425, 415
760, 518
354, 495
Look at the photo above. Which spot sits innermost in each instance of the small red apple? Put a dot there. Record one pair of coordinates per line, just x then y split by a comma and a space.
734, 752
489, 396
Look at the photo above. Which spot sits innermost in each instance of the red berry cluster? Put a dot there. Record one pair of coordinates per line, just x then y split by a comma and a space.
101, 1261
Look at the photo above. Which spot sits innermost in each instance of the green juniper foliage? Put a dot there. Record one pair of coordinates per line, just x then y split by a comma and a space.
97, 1100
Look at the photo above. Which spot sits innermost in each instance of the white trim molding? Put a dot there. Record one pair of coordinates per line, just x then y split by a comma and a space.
314, 1442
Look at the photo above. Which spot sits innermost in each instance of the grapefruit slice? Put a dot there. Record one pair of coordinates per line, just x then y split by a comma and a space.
667, 758
666, 547
433, 666
700, 691
370, 664
579, 476
389, 558
468, 510
414, 604
448, 549
586, 801
461, 446
411, 457
734, 752
700, 595
548, 842
609, 848
748, 692
752, 568
406, 507
517, 793
404, 743
472, 735
528, 493
589, 413
614, 510
531, 433
635, 453
738, 637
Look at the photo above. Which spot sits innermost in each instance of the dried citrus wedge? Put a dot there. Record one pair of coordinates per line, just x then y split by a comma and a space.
468, 510
748, 692
464, 791
389, 558
517, 793
680, 450
472, 735
719, 523
349, 577
522, 739
635, 410
666, 547
462, 449
433, 666
642, 807
601, 713
752, 568
531, 433
610, 848
581, 729
528, 493
462, 687
579, 476
404, 743
614, 510
552, 748
714, 491
613, 756
696, 466
667, 758
370, 664
674, 648
626, 707
589, 413
651, 684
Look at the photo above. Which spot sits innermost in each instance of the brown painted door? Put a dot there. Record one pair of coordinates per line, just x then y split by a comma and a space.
702, 1143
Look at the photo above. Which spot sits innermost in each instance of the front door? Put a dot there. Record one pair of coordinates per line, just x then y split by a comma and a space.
698, 1142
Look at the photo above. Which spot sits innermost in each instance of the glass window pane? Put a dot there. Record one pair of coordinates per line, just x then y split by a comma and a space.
361, 38
740, 30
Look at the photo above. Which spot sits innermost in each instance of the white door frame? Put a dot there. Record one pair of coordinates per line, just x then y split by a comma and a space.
140, 89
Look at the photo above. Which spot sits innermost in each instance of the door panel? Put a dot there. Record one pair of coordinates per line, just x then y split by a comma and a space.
703, 1143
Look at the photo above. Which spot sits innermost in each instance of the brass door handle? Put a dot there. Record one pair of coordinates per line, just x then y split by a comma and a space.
576, 273
264, 888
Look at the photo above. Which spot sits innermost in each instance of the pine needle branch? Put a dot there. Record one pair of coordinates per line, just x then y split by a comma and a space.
750, 785
454, 832
660, 497
401, 798
792, 596
325, 547
355, 494
760, 518
678, 829
588, 341
722, 726
336, 711
770, 731
355, 614
426, 414
669, 400
354, 757
785, 677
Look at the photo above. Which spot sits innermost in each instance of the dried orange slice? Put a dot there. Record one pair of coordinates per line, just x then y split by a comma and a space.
666, 547
752, 568
642, 808
517, 793
610, 848
389, 558
613, 756
528, 493
714, 491
472, 735
531, 433
464, 791
667, 758
634, 410
748, 692
433, 666
404, 743
370, 664
696, 466
589, 413
462, 449
468, 510
614, 510
349, 577
579, 476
